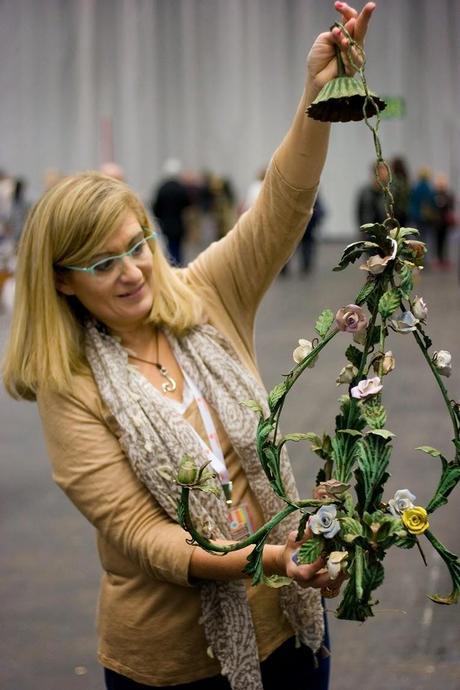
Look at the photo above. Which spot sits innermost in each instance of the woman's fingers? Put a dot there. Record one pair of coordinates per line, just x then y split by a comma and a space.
345, 10
362, 22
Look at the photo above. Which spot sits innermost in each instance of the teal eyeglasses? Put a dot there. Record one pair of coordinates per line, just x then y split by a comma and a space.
106, 266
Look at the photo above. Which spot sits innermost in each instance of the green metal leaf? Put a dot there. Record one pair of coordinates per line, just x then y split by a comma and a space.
449, 479
406, 542
453, 565
374, 413
276, 394
389, 303
406, 284
431, 451
270, 459
404, 232
383, 433
311, 550
350, 529
295, 437
376, 231
365, 291
253, 405
353, 252
254, 566
373, 458
302, 526
324, 322
354, 355
276, 581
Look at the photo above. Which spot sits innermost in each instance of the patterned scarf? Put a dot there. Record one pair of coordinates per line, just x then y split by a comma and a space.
155, 437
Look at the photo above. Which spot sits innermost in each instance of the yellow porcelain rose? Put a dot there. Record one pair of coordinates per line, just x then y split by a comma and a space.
415, 520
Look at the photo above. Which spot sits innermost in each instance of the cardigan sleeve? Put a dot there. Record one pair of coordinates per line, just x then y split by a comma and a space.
91, 468
241, 266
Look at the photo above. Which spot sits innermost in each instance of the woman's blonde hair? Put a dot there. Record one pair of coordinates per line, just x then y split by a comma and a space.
68, 225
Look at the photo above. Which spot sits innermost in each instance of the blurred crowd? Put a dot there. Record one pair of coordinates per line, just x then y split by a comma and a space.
425, 202
193, 209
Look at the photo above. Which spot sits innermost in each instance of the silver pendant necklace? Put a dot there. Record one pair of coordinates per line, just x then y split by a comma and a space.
170, 384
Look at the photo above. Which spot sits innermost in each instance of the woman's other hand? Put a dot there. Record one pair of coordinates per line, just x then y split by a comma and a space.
321, 61
312, 575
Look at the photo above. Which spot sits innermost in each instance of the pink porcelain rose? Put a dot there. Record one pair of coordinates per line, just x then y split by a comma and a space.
351, 318
366, 388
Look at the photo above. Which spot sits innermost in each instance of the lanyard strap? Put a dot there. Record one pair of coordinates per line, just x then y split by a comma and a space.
214, 453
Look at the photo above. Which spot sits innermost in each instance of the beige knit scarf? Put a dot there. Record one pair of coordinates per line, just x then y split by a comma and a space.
155, 437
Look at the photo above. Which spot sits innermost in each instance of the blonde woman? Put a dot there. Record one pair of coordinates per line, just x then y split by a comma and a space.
134, 364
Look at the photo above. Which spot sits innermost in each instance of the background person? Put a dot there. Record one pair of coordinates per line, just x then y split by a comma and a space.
135, 364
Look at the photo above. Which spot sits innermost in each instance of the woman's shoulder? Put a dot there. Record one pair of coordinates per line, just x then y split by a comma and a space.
82, 394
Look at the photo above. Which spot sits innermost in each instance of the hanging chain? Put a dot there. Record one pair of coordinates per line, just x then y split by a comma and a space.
390, 220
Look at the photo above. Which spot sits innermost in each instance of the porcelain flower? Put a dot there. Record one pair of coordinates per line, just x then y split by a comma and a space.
386, 362
416, 520
304, 349
337, 563
417, 248
366, 388
347, 374
405, 323
401, 501
351, 318
419, 309
324, 522
330, 489
377, 264
442, 361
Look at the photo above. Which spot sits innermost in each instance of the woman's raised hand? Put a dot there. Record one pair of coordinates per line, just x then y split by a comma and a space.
321, 61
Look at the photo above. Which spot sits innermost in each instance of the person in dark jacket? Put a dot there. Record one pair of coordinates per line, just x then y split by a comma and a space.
168, 206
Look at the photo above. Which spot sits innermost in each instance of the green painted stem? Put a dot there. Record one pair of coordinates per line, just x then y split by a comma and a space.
258, 535
442, 387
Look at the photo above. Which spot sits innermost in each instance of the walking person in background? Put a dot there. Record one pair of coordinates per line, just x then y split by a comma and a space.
168, 206
400, 189
444, 205
135, 364
422, 209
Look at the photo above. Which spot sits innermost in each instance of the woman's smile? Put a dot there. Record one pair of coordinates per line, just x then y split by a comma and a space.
133, 294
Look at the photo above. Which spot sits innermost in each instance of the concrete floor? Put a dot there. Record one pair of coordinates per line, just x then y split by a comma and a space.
48, 560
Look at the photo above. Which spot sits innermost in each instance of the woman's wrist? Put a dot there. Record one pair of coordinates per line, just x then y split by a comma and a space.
274, 560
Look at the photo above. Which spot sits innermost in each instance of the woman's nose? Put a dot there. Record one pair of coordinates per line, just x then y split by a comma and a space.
129, 268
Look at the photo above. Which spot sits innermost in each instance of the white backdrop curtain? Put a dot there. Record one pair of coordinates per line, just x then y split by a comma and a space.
214, 83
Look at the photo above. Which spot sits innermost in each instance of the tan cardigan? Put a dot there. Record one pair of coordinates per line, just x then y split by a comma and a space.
148, 613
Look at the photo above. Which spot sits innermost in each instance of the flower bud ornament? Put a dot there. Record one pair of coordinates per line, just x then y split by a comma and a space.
331, 488
442, 361
347, 374
351, 318
417, 249
304, 349
419, 309
337, 563
188, 472
386, 362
